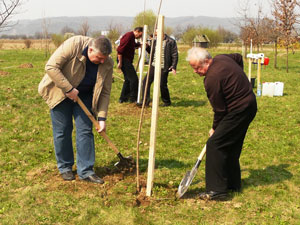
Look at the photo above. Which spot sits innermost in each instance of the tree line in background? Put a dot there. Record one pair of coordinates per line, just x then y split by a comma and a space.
258, 29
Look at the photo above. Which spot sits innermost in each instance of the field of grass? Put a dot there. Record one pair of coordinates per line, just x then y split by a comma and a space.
32, 191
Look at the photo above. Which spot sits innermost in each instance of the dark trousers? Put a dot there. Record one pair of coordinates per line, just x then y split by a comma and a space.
165, 95
222, 170
130, 85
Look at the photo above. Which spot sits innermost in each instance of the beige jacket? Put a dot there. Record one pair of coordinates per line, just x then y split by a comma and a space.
66, 68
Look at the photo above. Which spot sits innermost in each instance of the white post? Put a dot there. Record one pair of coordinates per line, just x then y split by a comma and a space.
142, 62
155, 102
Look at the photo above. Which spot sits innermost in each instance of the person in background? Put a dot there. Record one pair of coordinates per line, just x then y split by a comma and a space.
80, 67
234, 104
169, 63
125, 58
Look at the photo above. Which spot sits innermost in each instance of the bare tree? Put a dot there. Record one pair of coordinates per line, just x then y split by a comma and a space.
46, 36
114, 32
84, 28
284, 12
272, 35
7, 11
251, 27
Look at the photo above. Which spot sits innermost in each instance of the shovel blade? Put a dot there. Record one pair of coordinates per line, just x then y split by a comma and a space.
125, 162
186, 182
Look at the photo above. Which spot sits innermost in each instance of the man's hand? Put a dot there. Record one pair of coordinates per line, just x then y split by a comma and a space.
173, 70
119, 65
102, 126
211, 132
73, 95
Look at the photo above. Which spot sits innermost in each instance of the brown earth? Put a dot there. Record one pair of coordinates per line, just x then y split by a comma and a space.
26, 65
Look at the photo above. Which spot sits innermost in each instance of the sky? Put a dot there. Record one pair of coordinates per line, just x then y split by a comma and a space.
34, 9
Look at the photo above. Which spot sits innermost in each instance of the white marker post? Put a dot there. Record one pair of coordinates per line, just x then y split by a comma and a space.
142, 62
155, 102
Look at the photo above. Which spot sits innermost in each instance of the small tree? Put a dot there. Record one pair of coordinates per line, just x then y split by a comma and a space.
114, 33
84, 28
27, 43
189, 34
145, 18
284, 12
57, 39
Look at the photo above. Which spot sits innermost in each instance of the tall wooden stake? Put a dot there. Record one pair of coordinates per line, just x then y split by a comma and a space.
142, 62
258, 71
249, 69
155, 102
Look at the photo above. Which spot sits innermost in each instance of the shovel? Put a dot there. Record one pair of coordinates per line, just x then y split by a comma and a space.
189, 176
125, 162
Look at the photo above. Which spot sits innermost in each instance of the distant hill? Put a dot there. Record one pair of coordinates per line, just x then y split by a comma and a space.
100, 23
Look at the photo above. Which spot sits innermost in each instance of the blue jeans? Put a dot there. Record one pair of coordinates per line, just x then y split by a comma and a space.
62, 124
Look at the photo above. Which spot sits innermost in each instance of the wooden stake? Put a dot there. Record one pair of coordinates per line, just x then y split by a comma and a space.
142, 62
249, 69
155, 102
258, 71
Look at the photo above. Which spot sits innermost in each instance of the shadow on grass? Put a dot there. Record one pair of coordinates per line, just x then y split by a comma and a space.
187, 102
269, 175
161, 163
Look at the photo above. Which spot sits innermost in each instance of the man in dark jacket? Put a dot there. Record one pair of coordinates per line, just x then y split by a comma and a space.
125, 58
169, 63
234, 105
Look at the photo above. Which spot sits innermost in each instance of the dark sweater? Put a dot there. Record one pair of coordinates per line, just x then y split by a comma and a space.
127, 46
227, 86
89, 80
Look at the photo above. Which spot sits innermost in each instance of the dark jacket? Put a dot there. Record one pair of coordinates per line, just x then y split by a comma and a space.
170, 53
227, 86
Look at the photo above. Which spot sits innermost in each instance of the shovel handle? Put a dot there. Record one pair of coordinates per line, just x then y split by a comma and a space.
96, 124
202, 153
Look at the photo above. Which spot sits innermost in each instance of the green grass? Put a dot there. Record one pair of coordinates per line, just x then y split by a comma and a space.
32, 192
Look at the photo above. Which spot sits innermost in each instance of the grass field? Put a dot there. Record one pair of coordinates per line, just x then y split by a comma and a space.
32, 191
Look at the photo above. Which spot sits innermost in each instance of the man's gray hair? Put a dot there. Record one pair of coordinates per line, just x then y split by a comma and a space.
198, 54
101, 44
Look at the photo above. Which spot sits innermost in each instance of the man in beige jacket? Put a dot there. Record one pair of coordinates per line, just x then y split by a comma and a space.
82, 67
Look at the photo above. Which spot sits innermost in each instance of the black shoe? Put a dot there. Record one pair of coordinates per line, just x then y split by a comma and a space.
147, 103
213, 195
122, 101
94, 179
68, 175
166, 104
232, 189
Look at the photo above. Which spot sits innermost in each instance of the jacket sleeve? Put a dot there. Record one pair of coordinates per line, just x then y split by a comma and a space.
103, 102
56, 62
174, 55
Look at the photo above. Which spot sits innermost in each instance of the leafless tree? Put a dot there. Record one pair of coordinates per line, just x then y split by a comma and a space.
45, 27
251, 27
284, 12
84, 28
272, 35
7, 11
114, 32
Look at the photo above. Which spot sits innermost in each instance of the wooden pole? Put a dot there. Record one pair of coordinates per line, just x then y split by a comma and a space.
142, 62
258, 71
155, 102
249, 69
